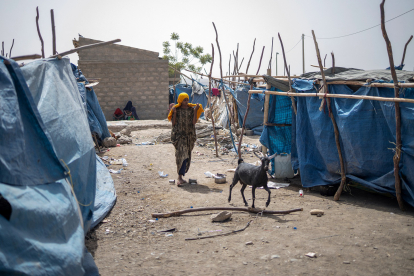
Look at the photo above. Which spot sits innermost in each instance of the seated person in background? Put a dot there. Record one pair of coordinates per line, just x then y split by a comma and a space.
130, 112
118, 115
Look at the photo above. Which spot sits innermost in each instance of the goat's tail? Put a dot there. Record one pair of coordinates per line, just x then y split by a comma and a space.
240, 161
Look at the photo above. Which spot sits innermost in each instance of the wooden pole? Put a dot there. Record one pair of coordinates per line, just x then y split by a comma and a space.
324, 60
405, 49
52, 17
288, 73
248, 64
11, 48
266, 107
271, 55
260, 63
35, 56
38, 31
244, 120
209, 97
221, 76
397, 155
374, 84
241, 83
2, 48
342, 96
333, 63
87, 47
335, 126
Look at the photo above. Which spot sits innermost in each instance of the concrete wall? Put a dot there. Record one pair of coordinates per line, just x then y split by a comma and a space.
127, 74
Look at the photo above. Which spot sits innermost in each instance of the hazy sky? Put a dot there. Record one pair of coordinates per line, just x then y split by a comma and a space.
146, 24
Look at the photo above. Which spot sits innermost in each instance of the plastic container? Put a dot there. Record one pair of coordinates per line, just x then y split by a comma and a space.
300, 192
283, 166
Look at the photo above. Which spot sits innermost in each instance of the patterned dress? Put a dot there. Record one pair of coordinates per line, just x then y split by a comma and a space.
183, 136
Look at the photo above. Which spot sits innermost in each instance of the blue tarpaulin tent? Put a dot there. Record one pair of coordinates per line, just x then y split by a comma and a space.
367, 133
49, 173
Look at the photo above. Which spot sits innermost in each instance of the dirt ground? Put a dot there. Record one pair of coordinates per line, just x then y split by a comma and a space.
361, 234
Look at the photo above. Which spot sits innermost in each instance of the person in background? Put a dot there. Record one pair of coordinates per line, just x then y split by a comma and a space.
118, 115
130, 112
184, 116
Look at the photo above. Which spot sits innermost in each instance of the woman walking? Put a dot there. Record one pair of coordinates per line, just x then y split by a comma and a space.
183, 116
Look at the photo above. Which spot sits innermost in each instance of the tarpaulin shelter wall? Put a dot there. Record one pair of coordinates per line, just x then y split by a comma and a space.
193, 97
44, 234
254, 120
96, 117
367, 131
278, 138
55, 93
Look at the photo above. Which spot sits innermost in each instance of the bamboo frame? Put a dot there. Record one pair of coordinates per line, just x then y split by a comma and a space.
342, 96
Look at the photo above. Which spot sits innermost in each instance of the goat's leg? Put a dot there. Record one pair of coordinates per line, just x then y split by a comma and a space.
253, 194
235, 180
268, 190
242, 192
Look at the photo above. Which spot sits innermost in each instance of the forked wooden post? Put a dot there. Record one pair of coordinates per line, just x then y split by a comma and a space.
397, 155
335, 126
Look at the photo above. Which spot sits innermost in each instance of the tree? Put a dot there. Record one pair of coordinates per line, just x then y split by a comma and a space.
184, 55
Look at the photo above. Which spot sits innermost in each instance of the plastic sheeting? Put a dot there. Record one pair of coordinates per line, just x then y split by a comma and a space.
96, 118
367, 134
44, 235
278, 138
55, 92
255, 116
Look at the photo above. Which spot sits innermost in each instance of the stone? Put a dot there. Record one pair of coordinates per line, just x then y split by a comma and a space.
311, 255
126, 131
124, 140
274, 257
109, 142
317, 212
249, 243
265, 257
222, 216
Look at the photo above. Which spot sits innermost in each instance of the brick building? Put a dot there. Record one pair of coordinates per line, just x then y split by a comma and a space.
126, 74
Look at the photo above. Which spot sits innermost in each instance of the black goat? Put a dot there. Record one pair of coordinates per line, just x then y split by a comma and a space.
256, 176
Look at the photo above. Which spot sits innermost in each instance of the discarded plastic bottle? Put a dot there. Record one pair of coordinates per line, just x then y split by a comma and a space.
300, 192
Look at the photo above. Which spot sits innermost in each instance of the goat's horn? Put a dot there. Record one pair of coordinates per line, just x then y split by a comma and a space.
272, 156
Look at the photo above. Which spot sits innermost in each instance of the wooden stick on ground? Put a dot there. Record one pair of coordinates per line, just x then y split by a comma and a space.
38, 32
397, 155
250, 210
335, 126
218, 235
209, 98
405, 49
288, 73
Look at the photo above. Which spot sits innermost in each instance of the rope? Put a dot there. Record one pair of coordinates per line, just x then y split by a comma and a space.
71, 184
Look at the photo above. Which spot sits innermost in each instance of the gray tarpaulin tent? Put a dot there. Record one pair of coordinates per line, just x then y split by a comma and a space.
50, 175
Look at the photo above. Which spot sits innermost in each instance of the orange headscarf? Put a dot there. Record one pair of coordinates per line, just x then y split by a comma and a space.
180, 99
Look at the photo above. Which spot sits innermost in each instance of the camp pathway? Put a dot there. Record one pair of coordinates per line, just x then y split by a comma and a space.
362, 234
